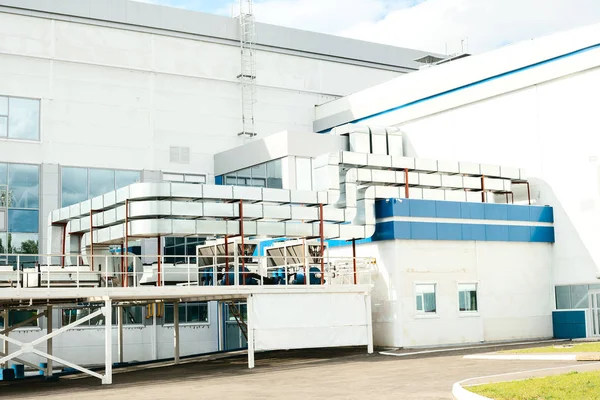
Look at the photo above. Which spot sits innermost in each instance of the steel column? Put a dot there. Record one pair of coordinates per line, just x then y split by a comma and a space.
226, 260
354, 259
176, 330
250, 328
107, 378
482, 189
242, 235
92, 241
159, 281
528, 194
406, 191
127, 242
5, 342
64, 245
120, 332
49, 348
322, 239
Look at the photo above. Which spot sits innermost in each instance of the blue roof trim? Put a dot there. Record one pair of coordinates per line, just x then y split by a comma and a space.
479, 82
462, 210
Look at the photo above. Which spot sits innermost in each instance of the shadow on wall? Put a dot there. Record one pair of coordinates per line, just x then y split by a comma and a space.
572, 261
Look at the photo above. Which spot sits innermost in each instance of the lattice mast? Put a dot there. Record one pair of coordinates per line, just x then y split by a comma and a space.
247, 76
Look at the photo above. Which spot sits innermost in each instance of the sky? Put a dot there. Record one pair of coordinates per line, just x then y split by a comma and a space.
441, 26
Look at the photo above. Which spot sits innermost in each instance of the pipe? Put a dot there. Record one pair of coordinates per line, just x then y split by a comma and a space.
322, 239
127, 239
512, 197
92, 240
354, 258
158, 247
406, 182
242, 235
506, 197
226, 260
64, 245
528, 193
123, 277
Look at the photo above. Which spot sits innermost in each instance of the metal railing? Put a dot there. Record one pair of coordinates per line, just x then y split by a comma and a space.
126, 271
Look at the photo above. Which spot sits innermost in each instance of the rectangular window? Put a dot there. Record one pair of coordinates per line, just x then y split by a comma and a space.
125, 178
3, 126
467, 297
23, 186
15, 317
275, 174
189, 313
23, 118
131, 316
425, 298
81, 184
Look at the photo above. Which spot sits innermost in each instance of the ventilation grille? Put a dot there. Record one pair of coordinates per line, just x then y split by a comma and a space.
179, 155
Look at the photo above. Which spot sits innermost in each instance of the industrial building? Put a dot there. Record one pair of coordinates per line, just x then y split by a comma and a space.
163, 175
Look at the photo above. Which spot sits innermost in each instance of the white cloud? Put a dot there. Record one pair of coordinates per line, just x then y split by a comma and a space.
487, 24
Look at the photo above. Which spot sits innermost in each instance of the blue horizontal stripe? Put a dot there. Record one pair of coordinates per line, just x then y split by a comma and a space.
462, 210
479, 82
405, 230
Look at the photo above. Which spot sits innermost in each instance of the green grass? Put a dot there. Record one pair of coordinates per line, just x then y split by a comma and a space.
571, 386
577, 348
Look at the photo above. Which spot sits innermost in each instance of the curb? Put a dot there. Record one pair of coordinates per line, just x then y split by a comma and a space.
524, 357
460, 393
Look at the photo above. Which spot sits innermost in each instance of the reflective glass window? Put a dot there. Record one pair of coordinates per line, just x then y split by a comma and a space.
467, 297
23, 221
244, 177
3, 174
563, 297
425, 298
73, 185
101, 181
188, 313
23, 186
3, 126
579, 296
3, 246
125, 178
3, 105
274, 174
24, 118
24, 243
259, 175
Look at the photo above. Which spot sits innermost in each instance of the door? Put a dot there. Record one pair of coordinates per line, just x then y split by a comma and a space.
594, 305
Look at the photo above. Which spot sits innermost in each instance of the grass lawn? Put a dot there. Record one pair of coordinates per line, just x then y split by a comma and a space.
577, 348
571, 386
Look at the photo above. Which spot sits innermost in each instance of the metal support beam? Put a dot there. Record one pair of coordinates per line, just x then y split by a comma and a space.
5, 331
176, 331
158, 246
242, 243
92, 241
49, 348
406, 191
120, 332
482, 189
528, 194
127, 243
250, 328
322, 240
107, 378
369, 323
354, 259
226, 260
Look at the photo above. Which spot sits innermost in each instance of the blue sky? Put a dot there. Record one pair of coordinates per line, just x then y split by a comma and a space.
433, 25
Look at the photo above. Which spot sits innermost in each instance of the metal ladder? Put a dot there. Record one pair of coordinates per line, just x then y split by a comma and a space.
234, 310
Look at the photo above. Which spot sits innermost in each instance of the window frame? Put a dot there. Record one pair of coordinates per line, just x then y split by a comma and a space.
458, 292
39, 122
422, 313
86, 324
170, 324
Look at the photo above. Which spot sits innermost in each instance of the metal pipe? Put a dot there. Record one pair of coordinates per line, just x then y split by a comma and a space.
242, 235
123, 275
226, 260
528, 193
406, 183
506, 197
91, 239
512, 196
127, 240
64, 244
354, 258
158, 246
322, 239
482, 189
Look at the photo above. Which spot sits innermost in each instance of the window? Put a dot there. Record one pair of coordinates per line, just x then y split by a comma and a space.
267, 175
189, 313
572, 296
425, 298
19, 118
181, 250
187, 178
467, 297
131, 316
19, 205
17, 316
80, 184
